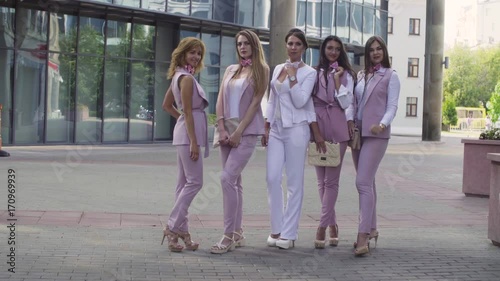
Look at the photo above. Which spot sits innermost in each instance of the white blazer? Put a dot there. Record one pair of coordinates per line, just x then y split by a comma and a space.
296, 103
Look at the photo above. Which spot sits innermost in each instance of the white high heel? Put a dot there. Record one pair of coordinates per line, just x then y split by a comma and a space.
285, 243
271, 242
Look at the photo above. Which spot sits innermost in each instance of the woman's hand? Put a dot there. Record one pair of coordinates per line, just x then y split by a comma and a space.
320, 143
194, 151
339, 72
235, 139
265, 138
350, 128
223, 137
376, 129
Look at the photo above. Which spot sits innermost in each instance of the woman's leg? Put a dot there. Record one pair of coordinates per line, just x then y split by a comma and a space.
193, 171
274, 166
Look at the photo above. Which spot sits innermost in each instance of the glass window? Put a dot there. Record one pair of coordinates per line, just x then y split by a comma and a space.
30, 98
155, 5
368, 22
88, 99
115, 100
414, 26
209, 81
63, 32
6, 87
245, 12
118, 39
189, 33
225, 10
369, 3
381, 23
180, 7
31, 29
342, 20
262, 12
7, 17
390, 25
313, 18
356, 24
131, 3
328, 11
142, 111
61, 87
228, 51
202, 9
212, 45
411, 106
91, 36
312, 56
163, 123
142, 41
413, 67
301, 14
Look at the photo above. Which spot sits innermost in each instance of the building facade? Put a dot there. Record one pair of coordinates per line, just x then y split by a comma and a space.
406, 45
95, 71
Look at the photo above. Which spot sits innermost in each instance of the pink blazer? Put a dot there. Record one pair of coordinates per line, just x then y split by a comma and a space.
256, 126
199, 103
330, 116
376, 103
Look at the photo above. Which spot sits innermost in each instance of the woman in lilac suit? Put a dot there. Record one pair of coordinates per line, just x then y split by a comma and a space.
190, 133
243, 86
289, 112
333, 103
376, 94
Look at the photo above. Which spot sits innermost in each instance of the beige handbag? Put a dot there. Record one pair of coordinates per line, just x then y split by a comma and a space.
329, 159
355, 142
230, 125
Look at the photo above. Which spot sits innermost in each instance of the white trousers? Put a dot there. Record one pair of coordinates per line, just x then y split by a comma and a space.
286, 149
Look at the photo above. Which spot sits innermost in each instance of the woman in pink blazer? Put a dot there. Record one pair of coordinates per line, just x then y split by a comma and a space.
333, 103
243, 86
190, 133
376, 94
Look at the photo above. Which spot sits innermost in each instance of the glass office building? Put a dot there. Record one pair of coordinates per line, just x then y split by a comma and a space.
95, 71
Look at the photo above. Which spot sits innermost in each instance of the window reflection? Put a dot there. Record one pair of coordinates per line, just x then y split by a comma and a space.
118, 39
342, 20
209, 80
180, 7
63, 32
245, 12
6, 87
225, 10
328, 12
301, 14
163, 122
115, 100
142, 112
212, 44
228, 51
368, 22
313, 18
156, 5
131, 3
142, 43
7, 17
356, 36
31, 29
91, 36
262, 12
201, 9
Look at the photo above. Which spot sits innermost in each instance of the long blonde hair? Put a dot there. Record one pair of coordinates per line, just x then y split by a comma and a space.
179, 55
259, 65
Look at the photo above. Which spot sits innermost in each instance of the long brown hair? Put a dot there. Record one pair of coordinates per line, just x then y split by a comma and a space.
179, 55
385, 61
259, 65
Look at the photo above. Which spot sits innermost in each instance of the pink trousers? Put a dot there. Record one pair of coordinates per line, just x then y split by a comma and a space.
234, 161
366, 161
189, 183
328, 186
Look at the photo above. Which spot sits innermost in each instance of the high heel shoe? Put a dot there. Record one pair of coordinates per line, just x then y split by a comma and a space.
239, 239
333, 240
373, 235
173, 240
271, 241
220, 248
319, 242
190, 244
365, 249
285, 243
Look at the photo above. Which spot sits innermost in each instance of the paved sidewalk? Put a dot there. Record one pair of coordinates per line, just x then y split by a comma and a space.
96, 213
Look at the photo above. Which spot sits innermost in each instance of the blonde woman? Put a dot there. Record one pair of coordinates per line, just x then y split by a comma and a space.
243, 86
190, 133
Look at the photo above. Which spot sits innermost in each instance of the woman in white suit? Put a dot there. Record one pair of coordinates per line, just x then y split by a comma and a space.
289, 112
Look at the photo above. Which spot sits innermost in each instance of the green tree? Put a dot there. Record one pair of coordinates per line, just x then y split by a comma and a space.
472, 75
449, 112
494, 104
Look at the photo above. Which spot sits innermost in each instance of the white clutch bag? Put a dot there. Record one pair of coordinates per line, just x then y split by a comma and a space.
329, 159
230, 125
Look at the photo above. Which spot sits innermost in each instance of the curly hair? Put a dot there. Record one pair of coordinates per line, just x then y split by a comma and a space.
179, 54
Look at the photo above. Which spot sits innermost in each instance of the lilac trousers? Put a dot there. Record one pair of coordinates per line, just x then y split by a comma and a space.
189, 183
366, 161
328, 186
234, 160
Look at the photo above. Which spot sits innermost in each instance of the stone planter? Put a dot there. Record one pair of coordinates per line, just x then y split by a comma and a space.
476, 168
494, 211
